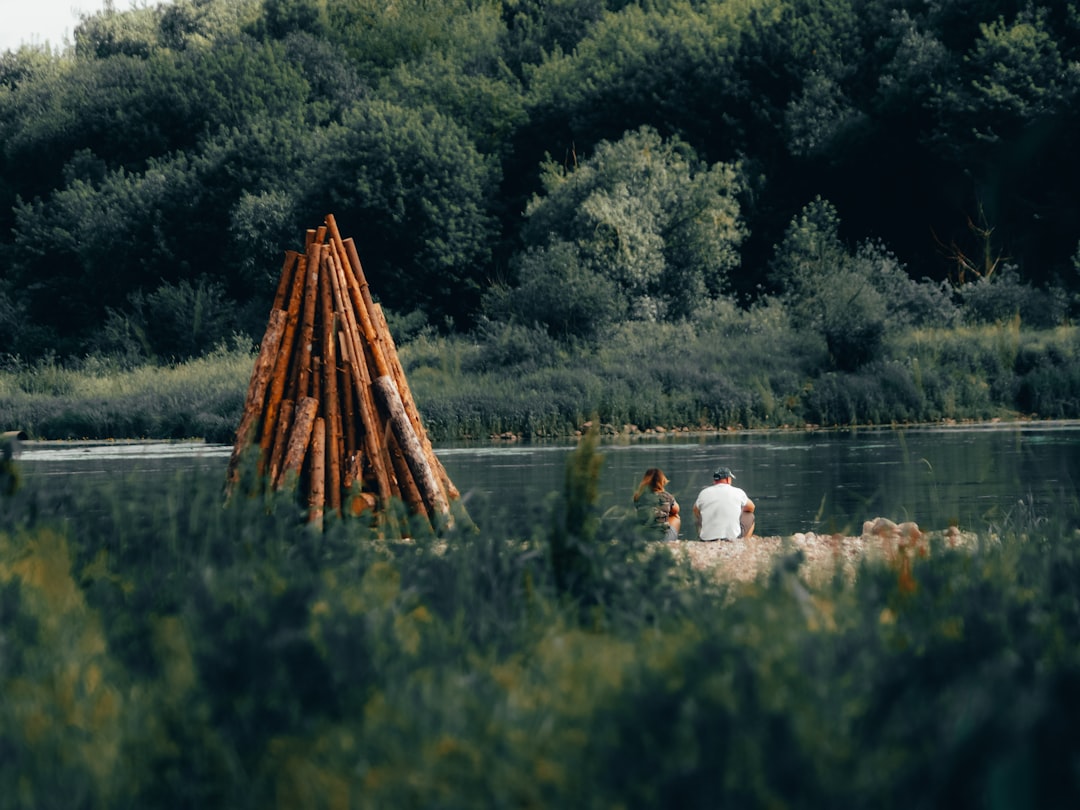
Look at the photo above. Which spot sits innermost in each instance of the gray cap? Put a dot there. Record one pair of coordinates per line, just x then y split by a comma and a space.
723, 472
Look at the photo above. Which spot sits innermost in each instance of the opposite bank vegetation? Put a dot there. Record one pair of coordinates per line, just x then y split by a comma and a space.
726, 368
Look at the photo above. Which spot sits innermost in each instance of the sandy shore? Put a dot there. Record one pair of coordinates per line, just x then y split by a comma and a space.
747, 558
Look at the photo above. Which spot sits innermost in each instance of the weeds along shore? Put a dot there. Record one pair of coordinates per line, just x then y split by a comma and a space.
749, 371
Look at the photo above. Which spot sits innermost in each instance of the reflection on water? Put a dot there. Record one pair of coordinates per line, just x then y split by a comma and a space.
824, 481
821, 481
80, 458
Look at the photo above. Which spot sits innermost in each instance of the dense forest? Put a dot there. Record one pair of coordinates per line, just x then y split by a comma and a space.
563, 166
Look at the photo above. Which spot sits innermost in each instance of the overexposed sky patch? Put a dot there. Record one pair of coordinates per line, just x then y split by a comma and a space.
35, 22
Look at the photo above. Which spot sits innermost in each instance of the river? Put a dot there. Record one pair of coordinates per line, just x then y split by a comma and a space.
975, 476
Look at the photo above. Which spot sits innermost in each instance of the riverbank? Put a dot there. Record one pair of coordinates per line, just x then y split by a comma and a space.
817, 557
465, 391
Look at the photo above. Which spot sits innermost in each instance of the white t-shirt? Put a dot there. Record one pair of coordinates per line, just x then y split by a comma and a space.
720, 506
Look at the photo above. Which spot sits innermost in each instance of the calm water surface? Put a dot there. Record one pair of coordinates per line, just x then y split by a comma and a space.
808, 481
815, 481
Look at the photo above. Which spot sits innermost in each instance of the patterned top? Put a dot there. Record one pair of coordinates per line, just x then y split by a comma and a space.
653, 508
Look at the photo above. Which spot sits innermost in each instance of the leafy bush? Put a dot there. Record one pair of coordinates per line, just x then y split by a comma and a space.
828, 291
1003, 296
174, 322
559, 292
647, 217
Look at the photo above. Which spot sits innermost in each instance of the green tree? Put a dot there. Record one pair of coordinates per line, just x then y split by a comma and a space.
559, 292
284, 17
1006, 117
379, 35
174, 322
538, 28
127, 110
467, 79
824, 291
674, 66
648, 215
415, 192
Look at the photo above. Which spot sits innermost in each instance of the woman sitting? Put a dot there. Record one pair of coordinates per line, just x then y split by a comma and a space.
656, 507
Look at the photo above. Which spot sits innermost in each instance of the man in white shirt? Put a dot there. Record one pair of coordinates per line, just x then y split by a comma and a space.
723, 511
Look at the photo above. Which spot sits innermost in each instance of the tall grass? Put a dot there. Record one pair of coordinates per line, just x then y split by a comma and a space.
199, 398
162, 648
731, 369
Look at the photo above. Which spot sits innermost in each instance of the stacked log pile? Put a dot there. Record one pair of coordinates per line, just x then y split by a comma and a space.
328, 407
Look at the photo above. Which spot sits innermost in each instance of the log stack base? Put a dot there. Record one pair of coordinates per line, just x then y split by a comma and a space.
328, 408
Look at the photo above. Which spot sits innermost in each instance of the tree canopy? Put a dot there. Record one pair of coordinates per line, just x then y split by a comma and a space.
491, 155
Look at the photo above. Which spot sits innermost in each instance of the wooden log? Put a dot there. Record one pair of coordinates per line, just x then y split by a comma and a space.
315, 373
307, 323
256, 393
429, 488
411, 410
281, 432
410, 493
362, 316
317, 491
281, 367
348, 403
285, 282
359, 294
361, 385
331, 405
299, 439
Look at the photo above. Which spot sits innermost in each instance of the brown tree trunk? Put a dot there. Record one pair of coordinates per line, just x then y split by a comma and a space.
256, 394
282, 365
398, 373
354, 361
331, 406
285, 282
299, 439
281, 431
429, 488
307, 325
317, 496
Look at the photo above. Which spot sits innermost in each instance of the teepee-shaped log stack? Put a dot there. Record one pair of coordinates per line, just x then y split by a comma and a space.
328, 405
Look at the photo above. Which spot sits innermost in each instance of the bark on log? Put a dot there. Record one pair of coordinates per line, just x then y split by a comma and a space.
348, 403
354, 361
411, 410
281, 367
256, 394
299, 439
331, 405
285, 282
281, 431
410, 493
358, 294
317, 496
429, 488
307, 324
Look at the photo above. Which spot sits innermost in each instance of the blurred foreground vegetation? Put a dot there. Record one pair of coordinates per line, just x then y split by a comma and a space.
163, 649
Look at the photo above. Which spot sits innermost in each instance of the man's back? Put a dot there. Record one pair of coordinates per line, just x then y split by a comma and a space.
719, 507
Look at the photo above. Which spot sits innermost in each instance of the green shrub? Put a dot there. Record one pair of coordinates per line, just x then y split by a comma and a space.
1003, 296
